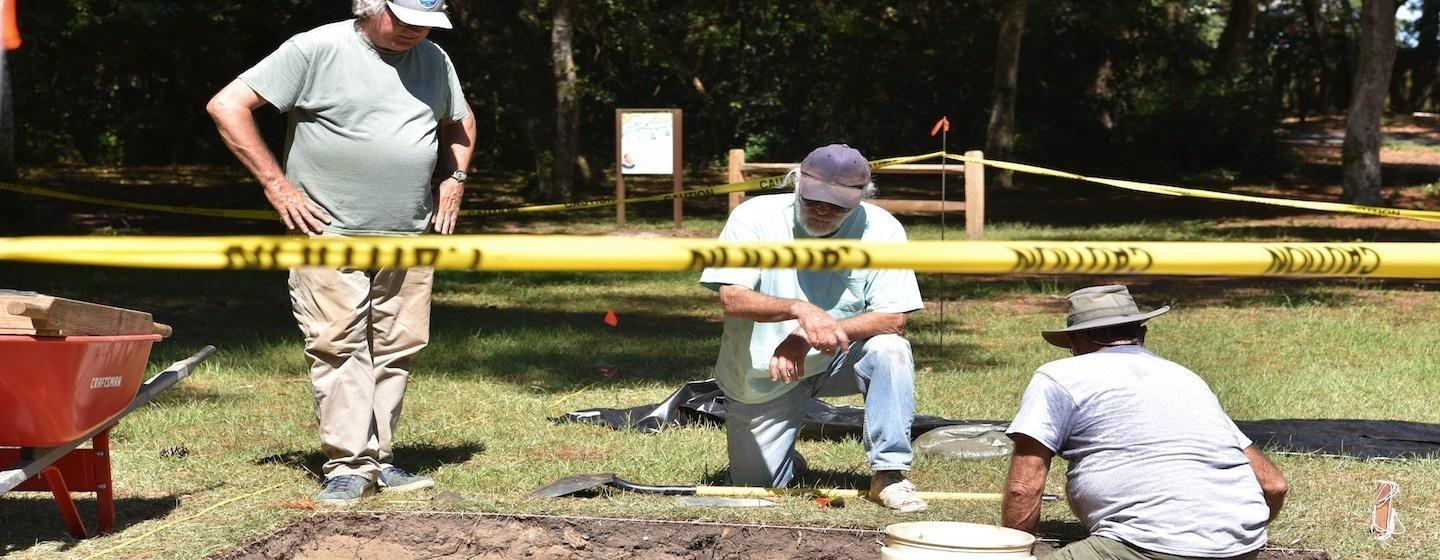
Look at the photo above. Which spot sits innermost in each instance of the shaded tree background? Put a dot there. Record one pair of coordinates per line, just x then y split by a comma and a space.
1144, 88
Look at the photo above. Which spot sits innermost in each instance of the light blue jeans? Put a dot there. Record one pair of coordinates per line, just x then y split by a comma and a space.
761, 437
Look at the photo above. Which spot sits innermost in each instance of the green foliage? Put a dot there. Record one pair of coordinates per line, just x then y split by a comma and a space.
1102, 84
1178, 129
125, 81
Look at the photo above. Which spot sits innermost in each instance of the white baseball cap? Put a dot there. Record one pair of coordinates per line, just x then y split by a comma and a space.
421, 13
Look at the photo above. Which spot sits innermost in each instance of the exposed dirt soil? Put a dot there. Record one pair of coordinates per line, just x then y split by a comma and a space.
412, 536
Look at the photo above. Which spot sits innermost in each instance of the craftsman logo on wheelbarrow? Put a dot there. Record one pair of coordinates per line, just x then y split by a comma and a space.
107, 382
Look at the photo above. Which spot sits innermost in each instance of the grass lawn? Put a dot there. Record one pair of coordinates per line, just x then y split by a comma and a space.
232, 453
510, 350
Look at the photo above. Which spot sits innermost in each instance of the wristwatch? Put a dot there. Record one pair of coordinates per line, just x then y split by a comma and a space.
459, 176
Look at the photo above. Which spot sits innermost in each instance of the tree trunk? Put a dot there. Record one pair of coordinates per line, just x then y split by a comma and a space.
1000, 135
1399, 95
529, 94
1427, 54
1361, 157
1316, 95
1102, 91
1239, 24
567, 104
1345, 73
8, 170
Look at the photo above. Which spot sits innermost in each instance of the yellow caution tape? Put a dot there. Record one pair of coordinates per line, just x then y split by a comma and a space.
778, 181
762, 184
191, 210
574, 253
1424, 215
765, 183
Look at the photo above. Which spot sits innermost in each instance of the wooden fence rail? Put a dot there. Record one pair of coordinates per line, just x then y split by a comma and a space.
973, 206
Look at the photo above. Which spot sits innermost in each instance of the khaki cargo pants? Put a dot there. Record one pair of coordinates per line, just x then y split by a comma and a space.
361, 328
1101, 548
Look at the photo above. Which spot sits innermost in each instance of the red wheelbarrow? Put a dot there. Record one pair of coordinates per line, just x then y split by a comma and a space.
56, 393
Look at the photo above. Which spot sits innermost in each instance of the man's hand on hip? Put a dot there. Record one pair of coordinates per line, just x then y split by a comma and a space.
787, 365
823, 331
296, 210
448, 208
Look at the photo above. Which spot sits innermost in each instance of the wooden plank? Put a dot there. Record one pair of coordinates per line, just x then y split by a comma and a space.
910, 206
34, 332
12, 322
39, 313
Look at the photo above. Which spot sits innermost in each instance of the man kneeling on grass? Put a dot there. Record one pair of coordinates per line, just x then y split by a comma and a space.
788, 333
1157, 469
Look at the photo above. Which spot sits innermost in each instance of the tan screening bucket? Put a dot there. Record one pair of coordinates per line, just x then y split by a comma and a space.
949, 540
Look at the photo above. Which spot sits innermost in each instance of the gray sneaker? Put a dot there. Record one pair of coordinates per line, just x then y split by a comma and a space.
396, 479
344, 490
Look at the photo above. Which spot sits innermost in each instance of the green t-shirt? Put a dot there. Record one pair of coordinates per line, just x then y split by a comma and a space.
364, 127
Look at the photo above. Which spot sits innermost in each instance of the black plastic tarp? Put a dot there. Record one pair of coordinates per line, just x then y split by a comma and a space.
701, 402
1365, 439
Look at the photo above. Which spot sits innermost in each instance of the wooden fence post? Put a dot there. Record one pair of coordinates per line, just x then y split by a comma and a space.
975, 196
619, 174
678, 178
734, 174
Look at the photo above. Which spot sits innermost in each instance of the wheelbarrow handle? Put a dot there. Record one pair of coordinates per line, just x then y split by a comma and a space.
168, 378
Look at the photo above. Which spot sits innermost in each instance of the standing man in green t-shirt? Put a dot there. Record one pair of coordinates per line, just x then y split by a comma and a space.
378, 126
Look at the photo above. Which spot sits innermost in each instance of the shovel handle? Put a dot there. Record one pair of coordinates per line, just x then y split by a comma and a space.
844, 493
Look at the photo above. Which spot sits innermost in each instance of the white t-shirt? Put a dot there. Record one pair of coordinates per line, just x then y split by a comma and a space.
743, 367
1154, 460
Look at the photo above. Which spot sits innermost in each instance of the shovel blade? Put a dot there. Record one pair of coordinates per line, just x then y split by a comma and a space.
572, 485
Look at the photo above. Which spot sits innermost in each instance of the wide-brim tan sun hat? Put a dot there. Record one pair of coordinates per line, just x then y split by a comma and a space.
1098, 307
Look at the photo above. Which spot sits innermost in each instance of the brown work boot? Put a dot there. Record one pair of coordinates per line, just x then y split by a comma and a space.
894, 491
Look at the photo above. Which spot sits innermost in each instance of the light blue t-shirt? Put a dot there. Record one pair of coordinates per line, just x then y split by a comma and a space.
1154, 460
363, 135
743, 367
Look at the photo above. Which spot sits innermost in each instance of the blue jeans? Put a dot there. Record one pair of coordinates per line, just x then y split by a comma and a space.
761, 437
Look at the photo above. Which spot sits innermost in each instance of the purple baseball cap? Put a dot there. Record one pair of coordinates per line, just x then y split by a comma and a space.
836, 174
421, 13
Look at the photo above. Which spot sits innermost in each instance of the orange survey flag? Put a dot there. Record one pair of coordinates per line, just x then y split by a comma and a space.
11, 29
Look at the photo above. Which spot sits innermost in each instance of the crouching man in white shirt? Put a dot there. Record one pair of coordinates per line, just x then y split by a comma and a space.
1158, 471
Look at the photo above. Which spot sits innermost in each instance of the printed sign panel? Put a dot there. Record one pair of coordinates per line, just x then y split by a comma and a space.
647, 143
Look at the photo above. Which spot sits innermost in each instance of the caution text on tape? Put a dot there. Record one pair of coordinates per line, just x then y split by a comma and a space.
576, 253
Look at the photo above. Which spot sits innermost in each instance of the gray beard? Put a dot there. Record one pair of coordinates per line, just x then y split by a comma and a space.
805, 223
813, 233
